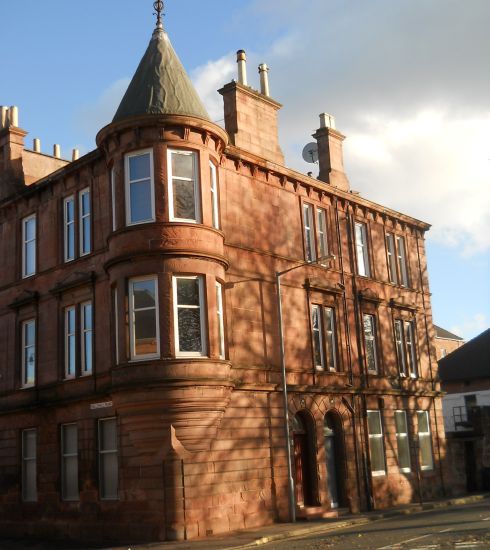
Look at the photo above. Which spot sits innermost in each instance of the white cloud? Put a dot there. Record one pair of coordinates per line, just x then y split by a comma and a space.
471, 326
208, 78
92, 117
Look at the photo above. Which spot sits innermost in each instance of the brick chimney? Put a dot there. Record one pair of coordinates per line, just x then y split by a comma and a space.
330, 153
251, 116
11, 149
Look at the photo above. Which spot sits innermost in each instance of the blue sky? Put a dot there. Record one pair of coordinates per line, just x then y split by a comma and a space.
407, 81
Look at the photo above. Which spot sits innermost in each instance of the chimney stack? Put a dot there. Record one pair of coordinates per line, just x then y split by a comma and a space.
241, 59
330, 153
36, 145
56, 151
264, 79
75, 155
3, 117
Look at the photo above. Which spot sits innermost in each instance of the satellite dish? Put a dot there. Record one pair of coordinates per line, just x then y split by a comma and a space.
310, 153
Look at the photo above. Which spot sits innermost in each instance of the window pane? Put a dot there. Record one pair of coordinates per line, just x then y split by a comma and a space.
423, 421
29, 486
145, 332
330, 337
188, 292
108, 433
87, 316
30, 229
144, 294
401, 422
189, 330
139, 167
30, 260
86, 236
30, 333
374, 423
29, 446
183, 165
85, 203
140, 198
71, 355
184, 200
88, 352
70, 478
109, 475
70, 439
425, 452
377, 454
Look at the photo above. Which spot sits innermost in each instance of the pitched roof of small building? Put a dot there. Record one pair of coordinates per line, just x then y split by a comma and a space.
470, 361
160, 85
443, 333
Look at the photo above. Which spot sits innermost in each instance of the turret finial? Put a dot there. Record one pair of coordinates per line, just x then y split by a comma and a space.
158, 6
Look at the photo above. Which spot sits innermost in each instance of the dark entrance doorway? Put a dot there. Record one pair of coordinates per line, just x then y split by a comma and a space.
334, 455
304, 461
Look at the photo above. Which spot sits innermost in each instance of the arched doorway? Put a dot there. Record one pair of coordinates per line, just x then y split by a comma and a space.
304, 461
334, 457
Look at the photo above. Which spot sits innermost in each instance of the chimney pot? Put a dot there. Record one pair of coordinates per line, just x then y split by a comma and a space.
3, 117
37, 145
327, 121
14, 116
75, 155
241, 59
56, 151
264, 79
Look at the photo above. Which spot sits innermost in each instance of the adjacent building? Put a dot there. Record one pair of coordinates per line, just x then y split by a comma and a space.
140, 357
446, 342
465, 376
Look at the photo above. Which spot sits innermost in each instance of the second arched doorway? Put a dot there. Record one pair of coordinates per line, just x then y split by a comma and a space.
335, 458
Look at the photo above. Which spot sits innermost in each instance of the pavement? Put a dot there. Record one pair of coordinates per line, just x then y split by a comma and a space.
253, 538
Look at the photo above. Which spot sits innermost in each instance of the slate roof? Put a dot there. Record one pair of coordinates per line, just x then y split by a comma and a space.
160, 84
470, 361
443, 333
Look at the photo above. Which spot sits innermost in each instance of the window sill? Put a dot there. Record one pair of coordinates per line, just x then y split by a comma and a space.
378, 473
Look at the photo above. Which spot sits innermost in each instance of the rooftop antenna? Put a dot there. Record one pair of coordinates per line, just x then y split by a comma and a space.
158, 6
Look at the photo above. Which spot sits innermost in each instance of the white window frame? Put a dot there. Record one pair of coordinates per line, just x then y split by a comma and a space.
316, 310
401, 256
330, 338
214, 194
309, 231
84, 218
67, 338
322, 233
128, 182
132, 311
105, 452
411, 351
403, 435
83, 336
362, 249
197, 194
202, 316
26, 383
69, 228
25, 460
220, 319
25, 244
113, 197
392, 258
401, 348
377, 436
428, 434
371, 337
66, 456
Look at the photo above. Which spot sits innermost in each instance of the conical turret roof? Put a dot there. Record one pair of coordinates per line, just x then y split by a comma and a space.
160, 85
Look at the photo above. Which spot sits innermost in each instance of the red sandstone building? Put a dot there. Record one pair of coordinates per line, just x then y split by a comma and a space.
140, 378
